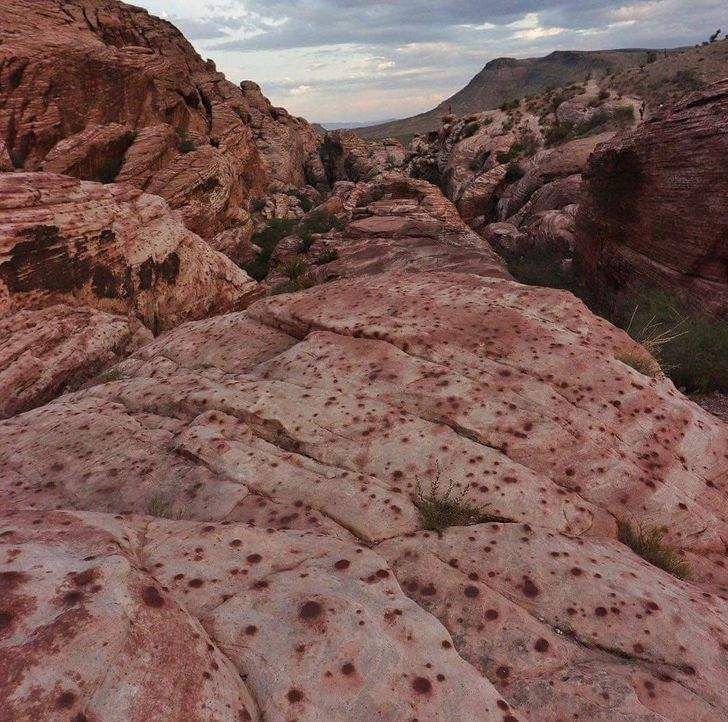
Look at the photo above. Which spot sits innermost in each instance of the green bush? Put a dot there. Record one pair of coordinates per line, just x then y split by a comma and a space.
691, 349
267, 239
294, 267
469, 130
327, 256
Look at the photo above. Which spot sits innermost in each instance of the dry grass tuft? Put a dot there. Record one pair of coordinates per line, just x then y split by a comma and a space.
648, 544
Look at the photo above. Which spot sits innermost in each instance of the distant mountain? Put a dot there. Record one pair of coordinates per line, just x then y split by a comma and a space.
354, 124
507, 79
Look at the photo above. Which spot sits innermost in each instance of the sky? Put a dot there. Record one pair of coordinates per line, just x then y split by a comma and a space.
366, 60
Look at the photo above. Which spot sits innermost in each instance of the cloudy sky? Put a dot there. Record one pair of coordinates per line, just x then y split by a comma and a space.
359, 60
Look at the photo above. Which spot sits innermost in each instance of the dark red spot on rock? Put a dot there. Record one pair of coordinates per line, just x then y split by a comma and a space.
152, 597
309, 610
422, 685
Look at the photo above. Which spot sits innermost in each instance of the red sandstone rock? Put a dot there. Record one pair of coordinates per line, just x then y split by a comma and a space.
47, 351
341, 402
398, 223
654, 210
110, 247
78, 78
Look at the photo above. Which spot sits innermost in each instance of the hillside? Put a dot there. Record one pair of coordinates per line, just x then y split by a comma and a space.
656, 74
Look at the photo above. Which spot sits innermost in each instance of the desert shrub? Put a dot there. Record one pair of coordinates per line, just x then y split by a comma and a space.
641, 361
648, 543
623, 115
156, 506
509, 105
514, 172
317, 222
327, 256
686, 79
296, 284
691, 349
257, 205
469, 130
440, 510
267, 239
558, 133
525, 145
294, 267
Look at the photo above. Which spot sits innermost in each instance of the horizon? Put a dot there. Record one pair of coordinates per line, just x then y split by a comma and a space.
367, 61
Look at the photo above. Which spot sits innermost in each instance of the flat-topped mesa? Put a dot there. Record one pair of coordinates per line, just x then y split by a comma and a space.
102, 90
653, 212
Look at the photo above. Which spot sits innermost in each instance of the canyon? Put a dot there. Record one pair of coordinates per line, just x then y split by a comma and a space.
243, 361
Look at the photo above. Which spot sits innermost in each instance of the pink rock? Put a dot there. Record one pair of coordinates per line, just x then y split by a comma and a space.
654, 211
57, 348
110, 247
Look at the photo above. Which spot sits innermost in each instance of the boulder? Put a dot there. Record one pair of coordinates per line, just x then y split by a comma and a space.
282, 476
506, 238
654, 211
110, 247
95, 153
398, 223
51, 350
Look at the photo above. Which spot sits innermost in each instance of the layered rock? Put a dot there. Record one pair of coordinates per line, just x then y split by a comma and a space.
102, 90
348, 157
110, 247
654, 211
274, 459
51, 350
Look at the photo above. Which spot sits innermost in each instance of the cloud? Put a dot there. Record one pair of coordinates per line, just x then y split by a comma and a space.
327, 59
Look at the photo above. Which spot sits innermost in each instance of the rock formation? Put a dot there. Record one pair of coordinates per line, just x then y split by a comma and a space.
240, 515
347, 157
110, 247
654, 211
103, 91
290, 561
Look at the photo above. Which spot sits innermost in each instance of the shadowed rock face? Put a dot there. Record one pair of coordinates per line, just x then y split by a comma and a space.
99, 90
654, 212
110, 247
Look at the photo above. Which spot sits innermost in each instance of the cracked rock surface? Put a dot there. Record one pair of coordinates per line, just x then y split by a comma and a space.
280, 450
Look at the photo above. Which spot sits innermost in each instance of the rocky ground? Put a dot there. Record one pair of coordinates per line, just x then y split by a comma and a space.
223, 499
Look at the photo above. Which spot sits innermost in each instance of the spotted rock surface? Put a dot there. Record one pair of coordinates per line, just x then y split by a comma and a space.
282, 475
49, 350
110, 247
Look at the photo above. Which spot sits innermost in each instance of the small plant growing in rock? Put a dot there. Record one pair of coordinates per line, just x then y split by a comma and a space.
440, 510
327, 256
294, 267
156, 506
643, 363
648, 543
